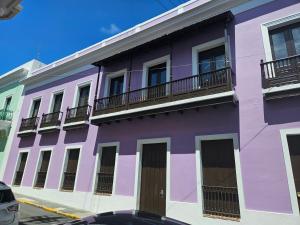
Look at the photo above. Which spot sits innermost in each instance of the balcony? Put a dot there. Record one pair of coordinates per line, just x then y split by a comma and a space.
5, 121
77, 117
28, 126
50, 122
281, 78
192, 92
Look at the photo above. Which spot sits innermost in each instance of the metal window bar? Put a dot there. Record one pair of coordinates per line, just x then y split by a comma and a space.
29, 123
18, 178
41, 178
51, 119
280, 72
221, 201
105, 183
69, 181
199, 85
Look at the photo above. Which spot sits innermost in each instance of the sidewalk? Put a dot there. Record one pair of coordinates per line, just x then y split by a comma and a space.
53, 207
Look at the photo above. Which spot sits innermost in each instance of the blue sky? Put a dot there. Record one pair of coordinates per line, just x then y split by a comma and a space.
51, 29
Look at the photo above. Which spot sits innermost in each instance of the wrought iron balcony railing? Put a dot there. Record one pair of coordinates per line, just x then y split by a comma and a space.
29, 124
69, 181
105, 183
221, 201
78, 114
51, 119
193, 86
6, 115
281, 72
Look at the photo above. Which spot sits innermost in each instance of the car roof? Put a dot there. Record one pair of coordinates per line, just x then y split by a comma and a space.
3, 186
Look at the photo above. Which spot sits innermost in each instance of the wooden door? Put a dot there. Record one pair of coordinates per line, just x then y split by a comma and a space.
153, 179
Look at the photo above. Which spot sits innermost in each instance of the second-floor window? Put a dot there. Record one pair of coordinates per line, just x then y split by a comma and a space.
157, 74
212, 59
285, 41
116, 86
7, 104
35, 107
57, 101
84, 93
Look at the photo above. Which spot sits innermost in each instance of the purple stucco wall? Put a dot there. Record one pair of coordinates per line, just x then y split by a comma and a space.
257, 122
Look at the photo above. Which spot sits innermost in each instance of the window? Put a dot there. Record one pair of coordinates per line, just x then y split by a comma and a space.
116, 86
7, 103
43, 169
35, 107
70, 171
57, 101
220, 194
83, 99
20, 171
285, 41
105, 175
157, 76
211, 60
294, 149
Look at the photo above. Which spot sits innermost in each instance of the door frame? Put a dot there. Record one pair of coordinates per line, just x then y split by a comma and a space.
238, 169
138, 167
289, 170
23, 150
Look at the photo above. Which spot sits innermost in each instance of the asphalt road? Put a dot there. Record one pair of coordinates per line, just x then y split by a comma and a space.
31, 215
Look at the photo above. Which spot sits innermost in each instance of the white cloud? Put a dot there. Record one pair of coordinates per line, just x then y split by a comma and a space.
112, 29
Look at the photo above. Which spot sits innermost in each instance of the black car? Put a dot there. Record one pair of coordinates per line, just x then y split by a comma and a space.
126, 218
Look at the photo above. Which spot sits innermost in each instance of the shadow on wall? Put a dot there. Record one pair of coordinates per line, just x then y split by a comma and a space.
282, 110
26, 142
76, 135
264, 10
49, 138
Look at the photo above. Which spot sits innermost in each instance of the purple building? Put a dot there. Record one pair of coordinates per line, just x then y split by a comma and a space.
193, 115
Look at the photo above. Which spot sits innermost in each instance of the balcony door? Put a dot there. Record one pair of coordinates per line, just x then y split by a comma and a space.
57, 102
70, 171
20, 169
43, 169
219, 184
209, 62
294, 149
83, 98
35, 108
157, 77
115, 91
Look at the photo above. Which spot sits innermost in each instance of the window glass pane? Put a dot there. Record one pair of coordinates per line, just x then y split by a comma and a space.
84, 96
279, 45
57, 102
36, 106
296, 37
220, 62
204, 66
7, 103
116, 86
157, 74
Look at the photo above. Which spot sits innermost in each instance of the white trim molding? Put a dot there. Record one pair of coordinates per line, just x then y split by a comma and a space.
78, 86
271, 25
38, 165
97, 164
138, 167
289, 170
18, 163
29, 113
54, 93
108, 78
203, 47
75, 124
64, 165
234, 138
26, 132
165, 59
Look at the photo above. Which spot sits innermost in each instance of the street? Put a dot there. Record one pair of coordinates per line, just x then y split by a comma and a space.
33, 215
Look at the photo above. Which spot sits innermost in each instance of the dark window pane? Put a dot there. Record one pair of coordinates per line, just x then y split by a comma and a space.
211, 60
116, 86
157, 74
7, 103
279, 45
72, 160
296, 37
35, 107
84, 95
57, 102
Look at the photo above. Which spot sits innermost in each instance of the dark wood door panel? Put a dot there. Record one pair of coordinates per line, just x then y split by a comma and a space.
153, 179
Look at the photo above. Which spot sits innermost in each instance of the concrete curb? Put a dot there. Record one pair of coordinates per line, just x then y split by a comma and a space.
53, 210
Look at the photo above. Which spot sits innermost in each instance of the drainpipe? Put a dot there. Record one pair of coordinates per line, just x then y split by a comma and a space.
97, 85
171, 65
129, 81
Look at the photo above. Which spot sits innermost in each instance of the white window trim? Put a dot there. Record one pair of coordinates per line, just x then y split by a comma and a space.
97, 164
17, 165
138, 168
289, 170
238, 169
203, 47
54, 93
108, 78
38, 165
76, 96
64, 165
271, 25
165, 59
31, 105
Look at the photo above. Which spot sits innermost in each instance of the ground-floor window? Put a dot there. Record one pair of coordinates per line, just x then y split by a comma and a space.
294, 149
219, 183
20, 168
106, 168
42, 169
70, 170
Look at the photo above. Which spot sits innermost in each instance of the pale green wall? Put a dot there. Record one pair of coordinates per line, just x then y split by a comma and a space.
15, 90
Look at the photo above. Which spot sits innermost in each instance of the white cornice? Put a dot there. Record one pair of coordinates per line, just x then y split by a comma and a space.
12, 77
185, 15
